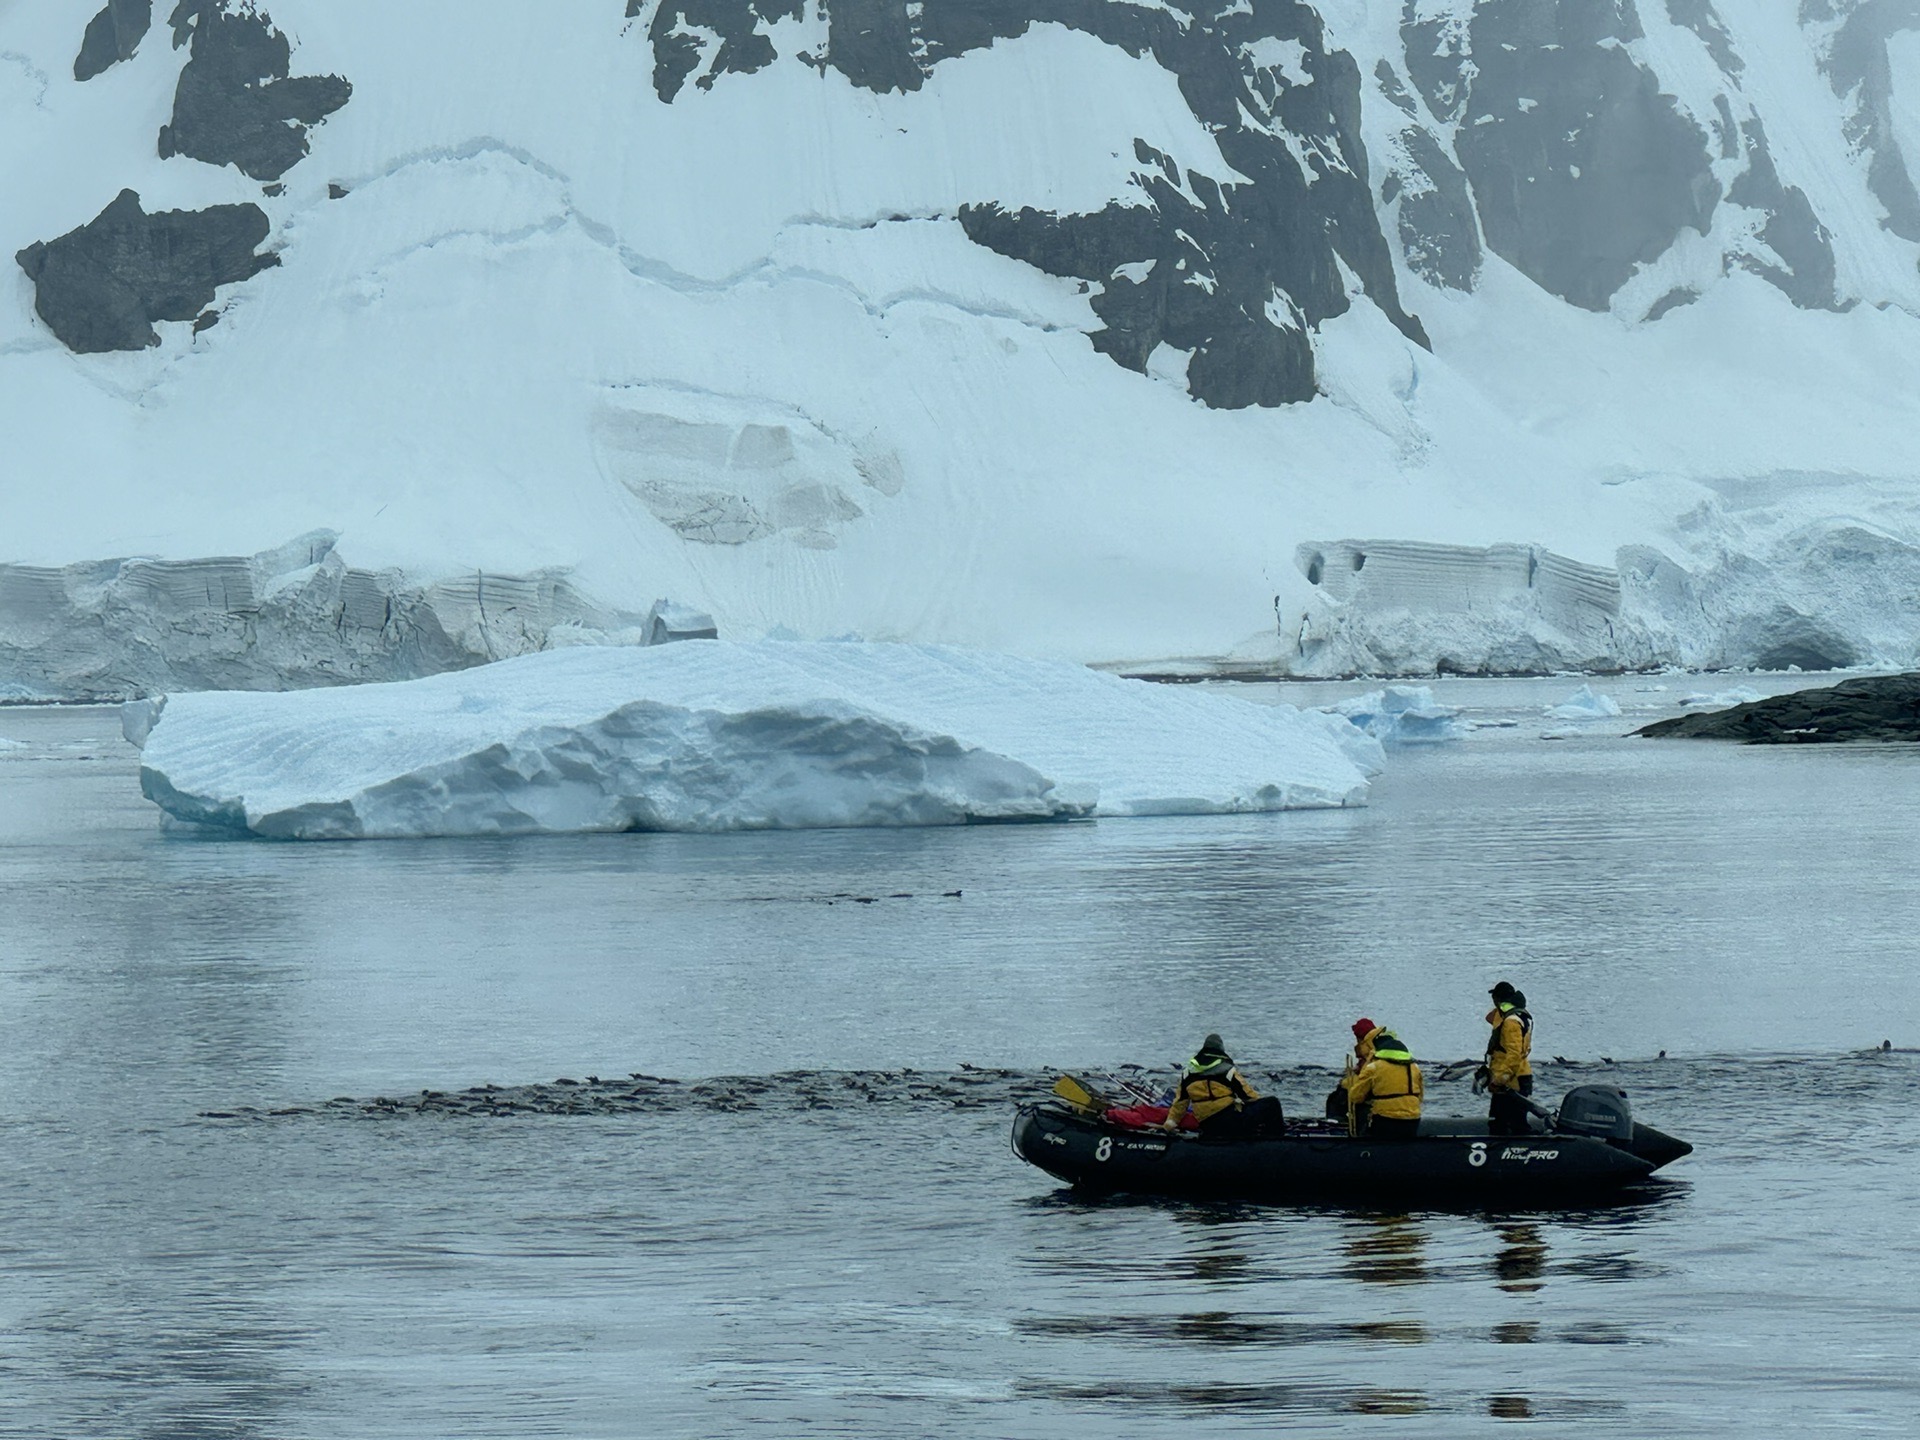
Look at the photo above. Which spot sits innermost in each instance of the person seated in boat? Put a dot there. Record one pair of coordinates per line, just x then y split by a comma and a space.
1383, 1095
1213, 1093
1507, 1075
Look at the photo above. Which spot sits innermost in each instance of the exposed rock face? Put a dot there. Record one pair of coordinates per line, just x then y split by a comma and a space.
1856, 62
1581, 168
112, 36
1439, 232
1877, 708
286, 618
235, 104
1234, 276
1699, 17
102, 286
1804, 267
679, 27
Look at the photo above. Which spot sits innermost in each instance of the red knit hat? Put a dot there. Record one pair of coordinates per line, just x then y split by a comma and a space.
1362, 1028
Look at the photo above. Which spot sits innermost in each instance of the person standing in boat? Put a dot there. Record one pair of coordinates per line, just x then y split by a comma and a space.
1338, 1105
1508, 1075
1383, 1097
1220, 1101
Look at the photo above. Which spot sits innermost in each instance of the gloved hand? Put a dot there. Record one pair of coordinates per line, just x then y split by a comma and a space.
1482, 1080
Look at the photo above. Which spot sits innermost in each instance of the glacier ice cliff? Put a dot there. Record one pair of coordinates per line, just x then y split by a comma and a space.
715, 736
296, 615
1048, 326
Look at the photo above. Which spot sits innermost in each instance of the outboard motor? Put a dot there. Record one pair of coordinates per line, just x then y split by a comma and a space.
1601, 1111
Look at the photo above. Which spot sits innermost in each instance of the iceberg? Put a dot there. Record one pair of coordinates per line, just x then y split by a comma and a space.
716, 736
1584, 704
1401, 715
1720, 699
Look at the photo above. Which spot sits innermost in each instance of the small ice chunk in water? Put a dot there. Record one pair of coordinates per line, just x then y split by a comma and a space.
1401, 715
732, 736
1584, 704
1720, 699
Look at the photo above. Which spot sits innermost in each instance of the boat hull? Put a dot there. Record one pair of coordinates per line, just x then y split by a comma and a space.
1459, 1162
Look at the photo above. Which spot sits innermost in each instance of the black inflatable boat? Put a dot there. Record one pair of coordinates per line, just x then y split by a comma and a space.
1588, 1148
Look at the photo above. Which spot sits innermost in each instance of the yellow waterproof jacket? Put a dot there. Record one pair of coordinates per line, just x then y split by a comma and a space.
1509, 1046
1389, 1083
1208, 1091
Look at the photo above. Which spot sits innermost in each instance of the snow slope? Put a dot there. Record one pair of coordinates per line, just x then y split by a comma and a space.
1058, 329
714, 736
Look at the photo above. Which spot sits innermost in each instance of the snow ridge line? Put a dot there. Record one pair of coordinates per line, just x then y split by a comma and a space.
647, 268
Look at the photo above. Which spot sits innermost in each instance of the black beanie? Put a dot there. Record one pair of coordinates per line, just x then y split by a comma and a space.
1212, 1046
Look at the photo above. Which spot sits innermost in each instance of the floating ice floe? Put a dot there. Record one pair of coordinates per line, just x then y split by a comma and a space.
715, 736
6, 744
1720, 699
1401, 715
1584, 704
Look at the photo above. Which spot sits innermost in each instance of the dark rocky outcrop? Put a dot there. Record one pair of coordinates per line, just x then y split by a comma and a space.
112, 36
1438, 232
1793, 232
102, 286
235, 104
682, 31
1700, 17
1581, 168
1882, 707
1236, 275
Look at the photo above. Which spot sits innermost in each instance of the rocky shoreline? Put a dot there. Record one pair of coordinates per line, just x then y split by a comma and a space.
1878, 707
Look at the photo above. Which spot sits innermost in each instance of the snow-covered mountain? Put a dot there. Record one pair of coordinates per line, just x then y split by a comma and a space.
351, 339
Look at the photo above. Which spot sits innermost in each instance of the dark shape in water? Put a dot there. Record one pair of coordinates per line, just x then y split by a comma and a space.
1879, 707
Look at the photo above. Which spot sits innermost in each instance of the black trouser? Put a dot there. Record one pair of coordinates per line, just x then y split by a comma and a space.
1379, 1127
1508, 1111
1248, 1122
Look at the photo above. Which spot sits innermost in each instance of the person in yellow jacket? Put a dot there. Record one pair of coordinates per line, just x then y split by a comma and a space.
1383, 1096
1508, 1075
1222, 1103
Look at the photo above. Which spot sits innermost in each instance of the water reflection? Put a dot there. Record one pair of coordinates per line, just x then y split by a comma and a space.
1227, 1396
1520, 1265
1220, 1329
1386, 1250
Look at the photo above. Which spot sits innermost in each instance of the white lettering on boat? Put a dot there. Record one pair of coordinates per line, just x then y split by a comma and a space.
1478, 1154
1525, 1156
1104, 1150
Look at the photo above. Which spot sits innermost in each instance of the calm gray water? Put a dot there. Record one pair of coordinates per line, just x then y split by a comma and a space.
791, 1250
